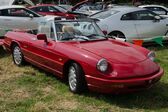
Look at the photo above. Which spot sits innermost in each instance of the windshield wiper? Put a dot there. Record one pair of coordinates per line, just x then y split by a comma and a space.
92, 35
76, 37
97, 35
82, 37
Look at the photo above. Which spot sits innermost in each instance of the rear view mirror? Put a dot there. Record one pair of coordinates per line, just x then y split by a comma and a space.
42, 37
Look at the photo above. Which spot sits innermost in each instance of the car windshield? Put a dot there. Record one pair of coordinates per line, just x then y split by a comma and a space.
96, 7
60, 9
104, 14
78, 31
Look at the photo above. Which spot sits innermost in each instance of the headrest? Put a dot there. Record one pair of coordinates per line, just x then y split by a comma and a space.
67, 29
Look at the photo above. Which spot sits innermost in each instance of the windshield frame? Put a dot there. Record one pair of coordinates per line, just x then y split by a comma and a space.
92, 21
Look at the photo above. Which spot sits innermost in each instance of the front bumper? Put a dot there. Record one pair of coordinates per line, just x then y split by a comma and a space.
123, 85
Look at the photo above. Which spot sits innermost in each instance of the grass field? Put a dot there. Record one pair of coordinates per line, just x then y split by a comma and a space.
28, 89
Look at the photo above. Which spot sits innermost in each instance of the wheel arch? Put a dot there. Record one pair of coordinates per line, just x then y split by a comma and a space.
66, 66
14, 43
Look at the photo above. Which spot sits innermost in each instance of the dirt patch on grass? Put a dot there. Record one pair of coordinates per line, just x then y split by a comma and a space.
40, 107
68, 104
47, 90
20, 94
63, 105
2, 94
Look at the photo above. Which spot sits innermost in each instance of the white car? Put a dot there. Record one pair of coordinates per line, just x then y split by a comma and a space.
158, 9
19, 17
131, 23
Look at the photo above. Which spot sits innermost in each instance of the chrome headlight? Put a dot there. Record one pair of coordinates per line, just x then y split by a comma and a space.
151, 55
102, 65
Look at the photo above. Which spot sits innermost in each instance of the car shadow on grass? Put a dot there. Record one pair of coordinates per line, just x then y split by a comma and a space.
155, 98
3, 53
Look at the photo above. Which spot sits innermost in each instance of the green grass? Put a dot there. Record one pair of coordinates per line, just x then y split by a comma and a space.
28, 89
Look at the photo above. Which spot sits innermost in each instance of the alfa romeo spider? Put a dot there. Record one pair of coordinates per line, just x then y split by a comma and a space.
78, 51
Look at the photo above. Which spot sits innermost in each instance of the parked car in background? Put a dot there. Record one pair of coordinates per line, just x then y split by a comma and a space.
19, 17
89, 9
52, 9
66, 7
78, 51
131, 23
158, 9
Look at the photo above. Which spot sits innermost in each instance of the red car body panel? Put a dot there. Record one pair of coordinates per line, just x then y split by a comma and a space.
129, 66
63, 14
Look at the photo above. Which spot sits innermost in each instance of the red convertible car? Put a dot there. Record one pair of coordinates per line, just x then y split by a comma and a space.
78, 51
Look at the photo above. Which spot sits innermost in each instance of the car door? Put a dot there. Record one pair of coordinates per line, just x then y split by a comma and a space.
45, 55
148, 25
18, 18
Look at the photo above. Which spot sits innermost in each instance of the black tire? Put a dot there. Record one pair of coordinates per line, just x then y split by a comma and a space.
79, 78
117, 34
17, 55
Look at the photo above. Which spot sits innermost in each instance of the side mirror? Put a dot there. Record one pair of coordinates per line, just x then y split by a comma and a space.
42, 37
31, 16
157, 18
104, 32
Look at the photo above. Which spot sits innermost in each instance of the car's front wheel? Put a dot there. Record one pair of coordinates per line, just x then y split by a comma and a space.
17, 55
76, 78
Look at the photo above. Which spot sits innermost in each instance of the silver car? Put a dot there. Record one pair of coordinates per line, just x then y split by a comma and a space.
132, 23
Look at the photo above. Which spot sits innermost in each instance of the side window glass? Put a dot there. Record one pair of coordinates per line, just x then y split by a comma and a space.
43, 9
128, 16
143, 15
51, 9
16, 12
4, 12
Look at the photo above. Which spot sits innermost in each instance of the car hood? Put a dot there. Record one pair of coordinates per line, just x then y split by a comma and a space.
114, 51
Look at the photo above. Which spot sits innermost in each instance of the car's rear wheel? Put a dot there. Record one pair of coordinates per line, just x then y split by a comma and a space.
76, 78
18, 58
118, 34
